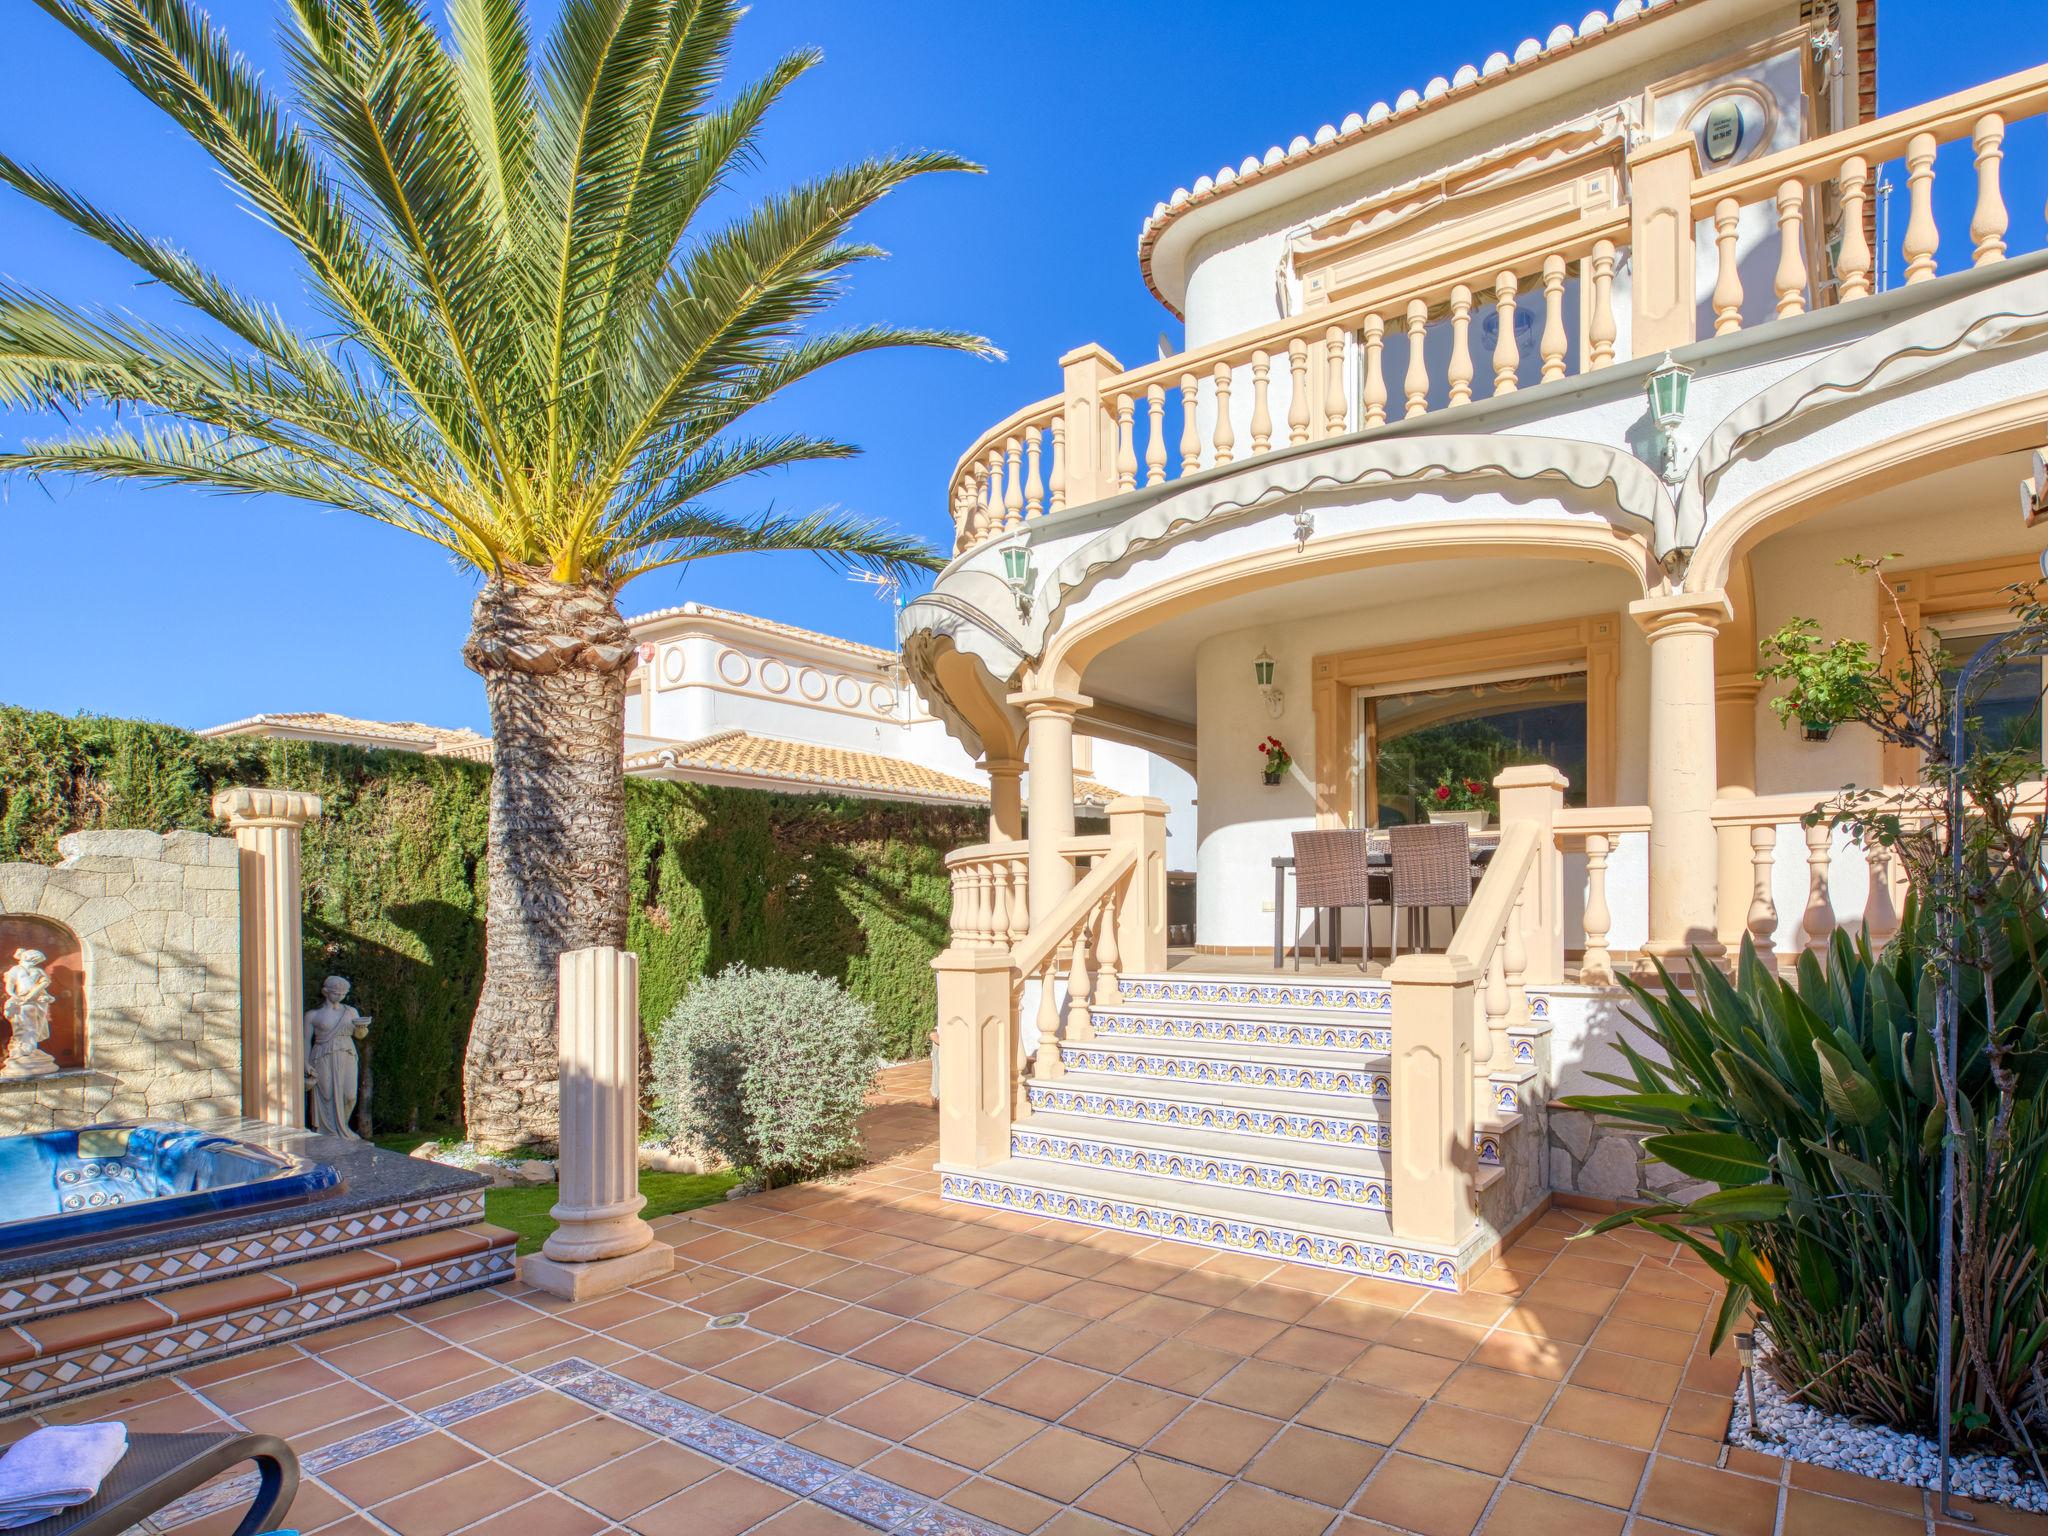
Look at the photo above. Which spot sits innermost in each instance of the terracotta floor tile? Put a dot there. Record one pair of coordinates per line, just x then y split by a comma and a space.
976, 1435
742, 1295
1521, 1511
515, 1424
1352, 1318
1127, 1412
1028, 1285
1234, 1333
1629, 1375
857, 1283
1071, 1522
1401, 1370
1660, 1311
809, 1519
1700, 1413
771, 1364
770, 1417
971, 1311
1482, 1442
1037, 1328
900, 1409
847, 1329
1705, 1499
1046, 1389
658, 1329
1154, 1496
1106, 1346
1507, 1393
1606, 1416
1863, 1490
1525, 1354
453, 1502
289, 1378
1433, 1336
710, 1393
312, 1410
1812, 1514
832, 1386
1243, 1508
1424, 1496
1363, 1412
975, 1366
793, 1313
1205, 1287
1161, 1314
400, 1469
829, 1438
1313, 1465
1181, 1366
917, 1472
1585, 1469
622, 1488
1221, 1439
1005, 1504
1059, 1464
526, 1339
723, 1504
1312, 1349
907, 1346
710, 1347
1278, 1303
1263, 1387
1623, 1337
908, 1298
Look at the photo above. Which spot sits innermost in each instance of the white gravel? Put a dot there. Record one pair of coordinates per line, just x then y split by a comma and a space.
1806, 1434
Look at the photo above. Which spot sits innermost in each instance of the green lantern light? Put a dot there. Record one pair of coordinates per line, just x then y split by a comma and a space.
1018, 574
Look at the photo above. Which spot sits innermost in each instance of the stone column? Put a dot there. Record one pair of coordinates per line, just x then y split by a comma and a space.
266, 824
599, 1244
1005, 800
1049, 753
1735, 696
1684, 773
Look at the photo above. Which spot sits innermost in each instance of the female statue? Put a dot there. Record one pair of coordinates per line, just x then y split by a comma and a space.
29, 996
332, 1031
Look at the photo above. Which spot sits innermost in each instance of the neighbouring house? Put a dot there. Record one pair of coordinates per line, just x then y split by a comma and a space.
1509, 417
385, 735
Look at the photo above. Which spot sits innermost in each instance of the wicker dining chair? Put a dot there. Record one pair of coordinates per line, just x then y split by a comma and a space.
1330, 874
1431, 866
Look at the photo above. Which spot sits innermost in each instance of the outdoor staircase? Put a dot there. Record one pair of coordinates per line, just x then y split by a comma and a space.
1251, 1115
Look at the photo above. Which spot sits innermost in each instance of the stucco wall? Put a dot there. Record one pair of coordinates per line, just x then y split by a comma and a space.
157, 918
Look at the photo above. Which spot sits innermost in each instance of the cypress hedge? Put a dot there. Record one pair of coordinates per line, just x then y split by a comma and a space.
394, 879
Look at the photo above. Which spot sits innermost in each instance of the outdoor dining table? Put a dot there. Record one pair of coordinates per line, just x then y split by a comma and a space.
1378, 855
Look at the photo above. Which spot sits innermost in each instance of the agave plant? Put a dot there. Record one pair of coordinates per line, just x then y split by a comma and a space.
1815, 1107
541, 357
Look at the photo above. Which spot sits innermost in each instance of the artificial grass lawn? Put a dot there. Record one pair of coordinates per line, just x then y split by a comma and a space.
523, 1208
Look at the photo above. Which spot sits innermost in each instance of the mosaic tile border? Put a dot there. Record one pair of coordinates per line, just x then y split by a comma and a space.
1349, 996
118, 1280
1345, 1190
45, 1379
1227, 1071
1352, 1255
1059, 1098
1297, 1033
858, 1495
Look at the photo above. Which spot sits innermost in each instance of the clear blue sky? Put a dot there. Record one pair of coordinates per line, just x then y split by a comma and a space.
196, 610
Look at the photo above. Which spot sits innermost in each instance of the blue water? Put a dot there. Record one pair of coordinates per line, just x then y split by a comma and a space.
61, 1186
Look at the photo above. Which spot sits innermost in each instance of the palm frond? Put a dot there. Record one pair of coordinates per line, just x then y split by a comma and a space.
848, 543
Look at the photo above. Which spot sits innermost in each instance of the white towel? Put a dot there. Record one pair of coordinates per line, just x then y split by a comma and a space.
55, 1468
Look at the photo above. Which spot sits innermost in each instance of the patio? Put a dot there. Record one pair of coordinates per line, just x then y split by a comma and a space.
897, 1364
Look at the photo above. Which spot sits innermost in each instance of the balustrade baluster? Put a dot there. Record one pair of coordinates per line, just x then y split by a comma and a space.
993, 510
1262, 413
1600, 320
1880, 911
1190, 434
1496, 1004
1034, 481
1596, 968
1416, 383
1333, 382
978, 528
1373, 397
1297, 394
1987, 226
1155, 439
1226, 435
1108, 991
1013, 495
998, 903
1819, 917
1790, 282
967, 892
1458, 372
1045, 1065
1517, 947
1852, 267
1728, 274
1018, 873
1126, 444
1507, 351
1923, 235
1056, 479
1554, 339
1763, 905
1080, 1022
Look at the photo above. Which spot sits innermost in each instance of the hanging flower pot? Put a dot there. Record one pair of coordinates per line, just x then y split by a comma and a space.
1817, 730
1278, 759
1274, 775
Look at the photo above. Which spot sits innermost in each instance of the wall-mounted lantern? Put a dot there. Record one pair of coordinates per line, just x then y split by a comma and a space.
1018, 574
1262, 673
1668, 389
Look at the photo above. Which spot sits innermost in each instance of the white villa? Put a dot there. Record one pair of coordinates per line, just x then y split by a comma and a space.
1409, 484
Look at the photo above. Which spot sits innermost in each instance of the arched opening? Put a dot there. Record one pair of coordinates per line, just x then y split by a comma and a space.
64, 962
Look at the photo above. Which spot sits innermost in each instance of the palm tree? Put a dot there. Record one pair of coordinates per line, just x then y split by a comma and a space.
541, 361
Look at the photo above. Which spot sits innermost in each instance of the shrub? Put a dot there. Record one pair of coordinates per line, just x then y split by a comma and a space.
769, 1069
1815, 1105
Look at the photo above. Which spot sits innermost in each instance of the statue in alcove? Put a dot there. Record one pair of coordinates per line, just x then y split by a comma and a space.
30, 995
332, 1065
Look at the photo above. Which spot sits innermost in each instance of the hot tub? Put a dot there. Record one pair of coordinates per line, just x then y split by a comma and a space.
102, 1181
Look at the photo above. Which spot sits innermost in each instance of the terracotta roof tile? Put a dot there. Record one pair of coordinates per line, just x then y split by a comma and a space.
743, 754
763, 626
407, 735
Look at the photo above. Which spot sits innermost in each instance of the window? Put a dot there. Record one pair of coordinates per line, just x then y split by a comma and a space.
2007, 709
1417, 738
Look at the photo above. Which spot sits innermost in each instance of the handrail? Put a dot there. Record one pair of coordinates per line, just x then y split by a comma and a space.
1493, 903
1093, 845
975, 853
1058, 925
1610, 820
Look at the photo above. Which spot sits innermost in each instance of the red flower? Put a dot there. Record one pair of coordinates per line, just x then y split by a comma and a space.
1474, 787
1443, 791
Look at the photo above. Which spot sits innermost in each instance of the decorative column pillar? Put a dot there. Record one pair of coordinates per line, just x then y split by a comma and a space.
977, 1056
266, 825
1005, 799
1535, 795
1735, 696
1684, 770
1140, 821
1664, 278
599, 1244
1049, 754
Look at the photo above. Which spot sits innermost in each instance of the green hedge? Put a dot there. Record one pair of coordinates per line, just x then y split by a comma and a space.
394, 894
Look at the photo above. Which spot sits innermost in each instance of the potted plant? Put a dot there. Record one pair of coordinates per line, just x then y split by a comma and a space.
1827, 684
1278, 759
1468, 800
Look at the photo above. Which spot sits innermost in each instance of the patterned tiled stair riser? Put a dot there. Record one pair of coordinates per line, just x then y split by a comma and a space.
1226, 1072
91, 1367
1352, 1190
1339, 1130
61, 1288
857, 1495
1266, 1239
1345, 996
1292, 1034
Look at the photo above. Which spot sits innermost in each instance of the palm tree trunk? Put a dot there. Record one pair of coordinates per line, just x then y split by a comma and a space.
553, 659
